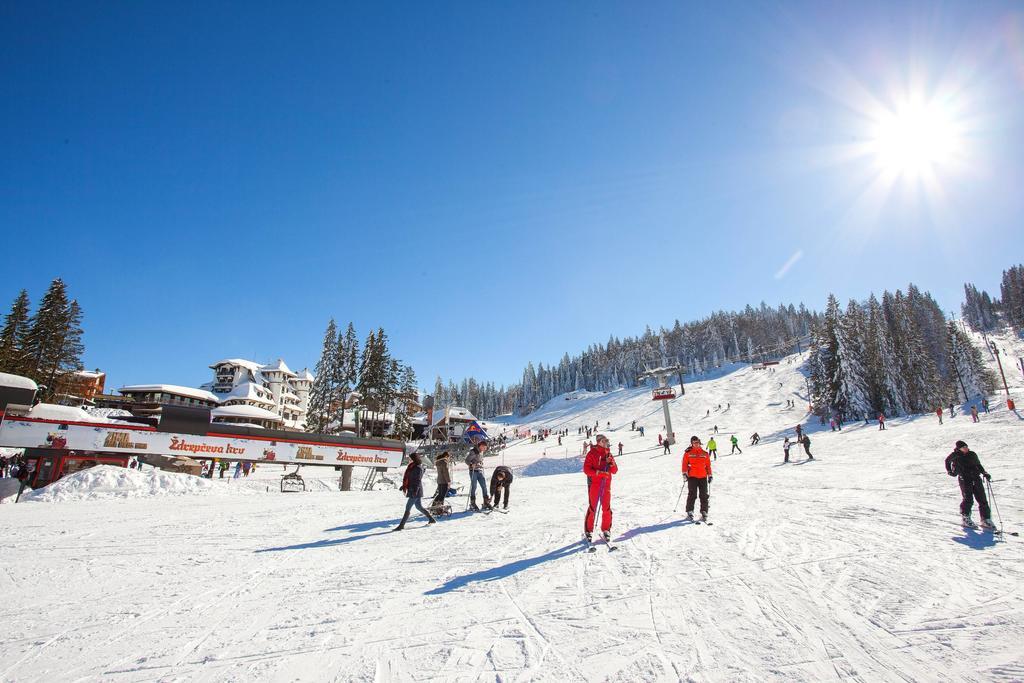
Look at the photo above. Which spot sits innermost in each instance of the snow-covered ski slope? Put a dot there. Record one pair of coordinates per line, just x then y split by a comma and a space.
849, 567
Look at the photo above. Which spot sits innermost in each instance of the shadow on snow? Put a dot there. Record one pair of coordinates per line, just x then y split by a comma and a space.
505, 570
976, 539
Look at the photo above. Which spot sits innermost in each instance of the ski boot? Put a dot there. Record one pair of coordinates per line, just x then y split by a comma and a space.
588, 537
703, 516
689, 516
987, 524
607, 536
473, 506
967, 522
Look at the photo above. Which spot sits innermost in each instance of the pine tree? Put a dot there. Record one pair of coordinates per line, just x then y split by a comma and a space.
888, 391
346, 367
53, 344
323, 390
851, 378
13, 336
970, 376
1012, 293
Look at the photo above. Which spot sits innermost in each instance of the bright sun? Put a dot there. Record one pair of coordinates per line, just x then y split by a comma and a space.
914, 139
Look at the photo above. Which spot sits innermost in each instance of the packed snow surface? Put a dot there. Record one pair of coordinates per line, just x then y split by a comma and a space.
852, 566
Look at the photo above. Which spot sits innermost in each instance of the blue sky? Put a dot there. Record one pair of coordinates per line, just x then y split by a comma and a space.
491, 183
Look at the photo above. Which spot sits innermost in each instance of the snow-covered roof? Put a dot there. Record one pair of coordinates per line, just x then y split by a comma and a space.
279, 366
246, 391
50, 411
454, 413
17, 381
305, 374
188, 392
89, 374
251, 412
241, 362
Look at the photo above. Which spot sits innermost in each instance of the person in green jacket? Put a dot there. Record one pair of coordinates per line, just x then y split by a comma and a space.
735, 445
713, 448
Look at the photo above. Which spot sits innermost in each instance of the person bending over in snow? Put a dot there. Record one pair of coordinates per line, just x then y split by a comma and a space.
412, 487
501, 479
963, 463
697, 475
735, 445
599, 466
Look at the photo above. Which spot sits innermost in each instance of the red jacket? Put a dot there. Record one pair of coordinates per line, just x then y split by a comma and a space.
599, 462
696, 463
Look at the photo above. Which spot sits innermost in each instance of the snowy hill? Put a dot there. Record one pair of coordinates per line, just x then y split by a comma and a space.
851, 566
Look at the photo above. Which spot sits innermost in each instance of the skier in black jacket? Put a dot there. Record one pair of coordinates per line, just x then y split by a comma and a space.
412, 487
963, 463
501, 478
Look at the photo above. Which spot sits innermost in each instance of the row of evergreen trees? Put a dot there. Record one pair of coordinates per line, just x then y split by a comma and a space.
385, 385
749, 335
896, 356
46, 344
985, 313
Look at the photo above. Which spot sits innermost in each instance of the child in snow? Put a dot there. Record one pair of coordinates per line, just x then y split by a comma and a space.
963, 463
785, 449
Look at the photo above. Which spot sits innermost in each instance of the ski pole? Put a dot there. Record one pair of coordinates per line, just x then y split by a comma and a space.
994, 504
679, 498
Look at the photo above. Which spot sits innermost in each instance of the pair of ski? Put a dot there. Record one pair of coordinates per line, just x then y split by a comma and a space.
591, 544
991, 529
691, 520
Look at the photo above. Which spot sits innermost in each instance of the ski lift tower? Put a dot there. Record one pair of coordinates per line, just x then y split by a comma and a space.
663, 392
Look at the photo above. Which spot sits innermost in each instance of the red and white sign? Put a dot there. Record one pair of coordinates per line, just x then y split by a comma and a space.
664, 394
27, 432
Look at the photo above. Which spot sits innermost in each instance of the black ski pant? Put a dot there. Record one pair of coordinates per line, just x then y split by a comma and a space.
440, 494
734, 449
807, 450
696, 486
970, 489
496, 491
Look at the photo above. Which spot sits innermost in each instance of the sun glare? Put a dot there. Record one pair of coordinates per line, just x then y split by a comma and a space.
916, 138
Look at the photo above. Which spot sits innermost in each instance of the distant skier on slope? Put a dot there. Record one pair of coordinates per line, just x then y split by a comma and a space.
412, 487
963, 463
697, 476
599, 466
712, 447
755, 438
735, 445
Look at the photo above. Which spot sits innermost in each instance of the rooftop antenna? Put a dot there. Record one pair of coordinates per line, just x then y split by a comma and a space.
663, 392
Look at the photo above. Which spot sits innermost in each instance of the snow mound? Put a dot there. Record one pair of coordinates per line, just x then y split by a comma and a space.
104, 482
547, 466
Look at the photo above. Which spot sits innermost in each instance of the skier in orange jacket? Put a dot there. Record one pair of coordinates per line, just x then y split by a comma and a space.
599, 466
697, 475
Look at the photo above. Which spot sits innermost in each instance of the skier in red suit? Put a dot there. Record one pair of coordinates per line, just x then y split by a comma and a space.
599, 466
